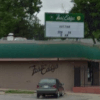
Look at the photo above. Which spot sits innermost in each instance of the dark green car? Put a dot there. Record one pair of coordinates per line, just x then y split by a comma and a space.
50, 86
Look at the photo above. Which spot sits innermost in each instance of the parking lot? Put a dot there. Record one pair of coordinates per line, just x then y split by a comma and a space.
68, 96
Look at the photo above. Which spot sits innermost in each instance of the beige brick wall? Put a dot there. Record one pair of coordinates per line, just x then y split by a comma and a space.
18, 75
84, 74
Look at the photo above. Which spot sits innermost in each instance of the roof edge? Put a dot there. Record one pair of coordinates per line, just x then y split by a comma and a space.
47, 59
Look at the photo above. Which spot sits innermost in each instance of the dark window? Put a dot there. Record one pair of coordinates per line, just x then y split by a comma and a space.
89, 73
48, 81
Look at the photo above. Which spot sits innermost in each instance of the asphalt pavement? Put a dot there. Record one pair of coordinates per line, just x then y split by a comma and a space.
67, 96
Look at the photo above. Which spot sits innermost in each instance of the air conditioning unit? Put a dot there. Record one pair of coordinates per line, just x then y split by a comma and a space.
10, 37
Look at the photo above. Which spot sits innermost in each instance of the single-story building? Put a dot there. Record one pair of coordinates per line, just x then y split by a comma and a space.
23, 64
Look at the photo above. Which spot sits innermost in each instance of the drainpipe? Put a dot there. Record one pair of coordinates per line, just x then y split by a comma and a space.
84, 76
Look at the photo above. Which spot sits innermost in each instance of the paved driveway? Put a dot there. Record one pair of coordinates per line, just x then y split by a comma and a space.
68, 96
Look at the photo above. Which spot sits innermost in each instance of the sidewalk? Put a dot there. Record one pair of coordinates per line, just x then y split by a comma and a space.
3, 90
82, 94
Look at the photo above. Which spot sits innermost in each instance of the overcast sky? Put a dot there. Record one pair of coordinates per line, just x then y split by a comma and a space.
55, 6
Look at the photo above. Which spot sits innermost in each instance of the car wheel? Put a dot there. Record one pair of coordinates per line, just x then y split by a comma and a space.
43, 95
62, 94
38, 95
57, 95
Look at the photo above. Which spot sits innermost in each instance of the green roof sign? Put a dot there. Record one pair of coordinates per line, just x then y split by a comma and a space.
64, 17
64, 25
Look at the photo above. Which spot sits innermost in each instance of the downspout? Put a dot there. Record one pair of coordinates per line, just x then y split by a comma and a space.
84, 76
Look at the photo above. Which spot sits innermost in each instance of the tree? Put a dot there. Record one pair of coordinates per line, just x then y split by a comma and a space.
30, 29
15, 16
39, 32
37, 29
91, 11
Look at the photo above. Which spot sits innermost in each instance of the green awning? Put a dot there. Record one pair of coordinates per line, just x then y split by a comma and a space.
30, 50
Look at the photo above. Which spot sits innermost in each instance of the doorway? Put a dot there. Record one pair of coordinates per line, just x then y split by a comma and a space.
96, 74
76, 76
93, 73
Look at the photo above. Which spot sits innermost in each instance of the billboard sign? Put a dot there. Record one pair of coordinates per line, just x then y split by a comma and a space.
64, 25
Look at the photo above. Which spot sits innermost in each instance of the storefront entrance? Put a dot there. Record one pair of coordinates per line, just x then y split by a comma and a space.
93, 73
77, 76
87, 78
87, 75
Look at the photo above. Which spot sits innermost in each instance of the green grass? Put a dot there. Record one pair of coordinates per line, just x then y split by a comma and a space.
19, 91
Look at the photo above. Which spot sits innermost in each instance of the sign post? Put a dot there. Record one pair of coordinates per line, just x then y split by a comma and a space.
64, 25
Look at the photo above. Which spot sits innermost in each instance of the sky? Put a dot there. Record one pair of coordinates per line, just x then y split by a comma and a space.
55, 6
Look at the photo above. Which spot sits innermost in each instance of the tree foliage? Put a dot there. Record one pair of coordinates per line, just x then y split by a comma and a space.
91, 11
15, 16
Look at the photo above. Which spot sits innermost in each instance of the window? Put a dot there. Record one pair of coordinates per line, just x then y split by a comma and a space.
89, 73
48, 81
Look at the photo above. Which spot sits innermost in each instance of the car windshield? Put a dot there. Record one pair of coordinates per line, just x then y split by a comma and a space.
48, 81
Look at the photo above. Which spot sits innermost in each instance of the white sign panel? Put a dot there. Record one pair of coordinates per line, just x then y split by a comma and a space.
64, 25
65, 29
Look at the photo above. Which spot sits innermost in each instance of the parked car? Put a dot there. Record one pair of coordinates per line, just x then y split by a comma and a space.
50, 86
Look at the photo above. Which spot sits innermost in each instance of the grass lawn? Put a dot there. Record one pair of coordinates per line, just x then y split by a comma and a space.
19, 91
